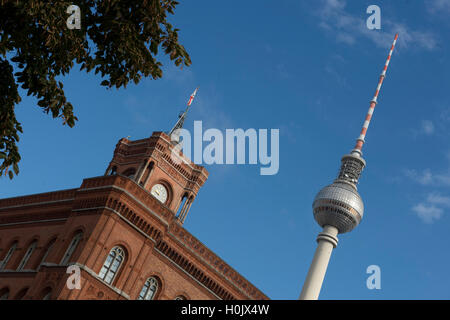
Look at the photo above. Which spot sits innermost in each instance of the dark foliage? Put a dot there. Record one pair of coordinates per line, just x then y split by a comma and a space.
118, 39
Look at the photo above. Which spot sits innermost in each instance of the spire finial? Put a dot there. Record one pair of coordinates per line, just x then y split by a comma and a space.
182, 116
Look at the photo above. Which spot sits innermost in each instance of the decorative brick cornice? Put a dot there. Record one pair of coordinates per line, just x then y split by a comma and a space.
18, 219
193, 270
215, 262
40, 198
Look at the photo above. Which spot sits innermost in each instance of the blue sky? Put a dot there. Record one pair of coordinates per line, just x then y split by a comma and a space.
308, 68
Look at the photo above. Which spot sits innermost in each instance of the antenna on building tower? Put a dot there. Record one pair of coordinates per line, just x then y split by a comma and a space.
181, 117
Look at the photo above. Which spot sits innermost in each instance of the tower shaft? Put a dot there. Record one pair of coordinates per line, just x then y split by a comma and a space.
327, 241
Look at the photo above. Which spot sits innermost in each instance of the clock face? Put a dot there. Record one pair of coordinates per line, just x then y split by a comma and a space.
159, 192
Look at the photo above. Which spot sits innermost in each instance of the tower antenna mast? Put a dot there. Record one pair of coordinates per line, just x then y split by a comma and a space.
179, 124
360, 141
338, 208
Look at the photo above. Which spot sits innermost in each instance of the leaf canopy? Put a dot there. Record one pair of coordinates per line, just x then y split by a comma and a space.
118, 39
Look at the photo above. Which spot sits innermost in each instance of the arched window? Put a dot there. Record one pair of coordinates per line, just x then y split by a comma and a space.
149, 289
4, 294
47, 251
112, 264
72, 246
47, 294
113, 171
185, 205
21, 294
8, 255
182, 204
27, 255
180, 298
147, 173
129, 173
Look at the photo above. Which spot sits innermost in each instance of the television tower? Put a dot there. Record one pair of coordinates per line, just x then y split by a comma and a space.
338, 208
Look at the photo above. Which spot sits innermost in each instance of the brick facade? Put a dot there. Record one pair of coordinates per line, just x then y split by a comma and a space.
116, 210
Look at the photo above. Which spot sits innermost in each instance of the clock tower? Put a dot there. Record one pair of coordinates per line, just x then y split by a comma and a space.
155, 164
122, 231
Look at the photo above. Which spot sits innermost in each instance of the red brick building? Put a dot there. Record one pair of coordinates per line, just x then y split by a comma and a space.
122, 233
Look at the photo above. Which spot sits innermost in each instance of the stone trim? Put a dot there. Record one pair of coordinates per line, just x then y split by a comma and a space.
184, 271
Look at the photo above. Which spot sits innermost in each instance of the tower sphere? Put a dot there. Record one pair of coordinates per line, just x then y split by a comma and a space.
338, 205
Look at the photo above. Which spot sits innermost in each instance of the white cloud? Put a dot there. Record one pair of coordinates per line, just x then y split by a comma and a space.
282, 71
345, 38
428, 178
427, 127
438, 6
347, 28
332, 5
131, 101
436, 127
437, 199
178, 75
432, 208
435, 204
442, 178
428, 213
424, 178
445, 115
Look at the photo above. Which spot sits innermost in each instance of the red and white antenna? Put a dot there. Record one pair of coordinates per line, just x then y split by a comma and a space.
191, 98
179, 124
360, 141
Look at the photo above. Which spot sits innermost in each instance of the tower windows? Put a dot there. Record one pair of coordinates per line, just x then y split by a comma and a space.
4, 294
27, 255
72, 246
113, 171
181, 206
8, 255
47, 251
21, 294
129, 173
149, 289
47, 294
147, 173
112, 264
184, 207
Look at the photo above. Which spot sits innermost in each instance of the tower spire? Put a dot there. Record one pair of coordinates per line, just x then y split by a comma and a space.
179, 124
360, 141
338, 208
